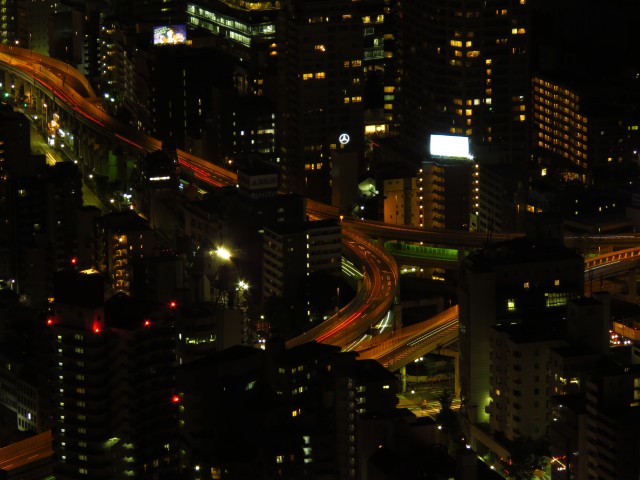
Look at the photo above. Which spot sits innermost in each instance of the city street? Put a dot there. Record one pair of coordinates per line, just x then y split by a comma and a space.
40, 146
422, 399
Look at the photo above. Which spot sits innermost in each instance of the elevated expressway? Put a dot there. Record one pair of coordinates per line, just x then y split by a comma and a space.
71, 92
402, 347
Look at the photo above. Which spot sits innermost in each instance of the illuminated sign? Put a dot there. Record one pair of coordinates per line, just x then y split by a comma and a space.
169, 34
344, 138
449, 146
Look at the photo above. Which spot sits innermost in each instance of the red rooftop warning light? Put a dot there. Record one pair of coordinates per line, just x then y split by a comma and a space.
74, 261
172, 304
147, 323
49, 321
175, 399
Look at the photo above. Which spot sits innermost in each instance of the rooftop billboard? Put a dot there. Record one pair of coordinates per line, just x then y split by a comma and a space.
169, 34
449, 146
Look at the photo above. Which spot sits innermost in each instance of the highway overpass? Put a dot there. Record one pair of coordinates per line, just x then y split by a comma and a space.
405, 345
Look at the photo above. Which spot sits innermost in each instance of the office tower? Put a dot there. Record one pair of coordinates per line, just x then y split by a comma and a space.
114, 406
520, 281
243, 29
320, 84
465, 71
242, 122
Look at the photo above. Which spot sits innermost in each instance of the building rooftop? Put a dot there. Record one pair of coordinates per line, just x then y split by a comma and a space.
125, 220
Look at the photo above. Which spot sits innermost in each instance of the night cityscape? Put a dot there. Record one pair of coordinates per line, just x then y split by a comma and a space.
319, 239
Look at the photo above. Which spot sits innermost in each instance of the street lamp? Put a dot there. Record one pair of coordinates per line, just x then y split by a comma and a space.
222, 253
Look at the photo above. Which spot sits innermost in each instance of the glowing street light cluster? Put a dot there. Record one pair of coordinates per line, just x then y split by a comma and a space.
222, 253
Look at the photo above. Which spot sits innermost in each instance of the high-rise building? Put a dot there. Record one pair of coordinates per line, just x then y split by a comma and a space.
113, 399
291, 254
301, 412
294, 252
519, 383
122, 239
443, 193
520, 281
465, 71
38, 208
321, 87
245, 30
9, 19
613, 412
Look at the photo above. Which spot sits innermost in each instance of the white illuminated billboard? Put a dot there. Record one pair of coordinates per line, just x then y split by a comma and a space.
449, 146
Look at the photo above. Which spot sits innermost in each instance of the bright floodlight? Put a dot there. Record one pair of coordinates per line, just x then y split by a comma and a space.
449, 146
223, 253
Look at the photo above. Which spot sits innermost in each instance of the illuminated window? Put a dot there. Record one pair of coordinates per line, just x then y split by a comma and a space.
526, 285
556, 282
356, 63
320, 48
320, 75
511, 304
307, 76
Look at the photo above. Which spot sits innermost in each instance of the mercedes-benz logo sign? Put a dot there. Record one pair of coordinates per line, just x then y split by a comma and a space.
344, 138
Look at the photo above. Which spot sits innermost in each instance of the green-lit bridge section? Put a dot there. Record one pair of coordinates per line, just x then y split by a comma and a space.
423, 252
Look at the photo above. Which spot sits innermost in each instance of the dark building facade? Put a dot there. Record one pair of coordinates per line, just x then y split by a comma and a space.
113, 398
465, 71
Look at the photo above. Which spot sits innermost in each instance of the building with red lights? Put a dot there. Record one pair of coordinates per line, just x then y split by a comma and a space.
114, 414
